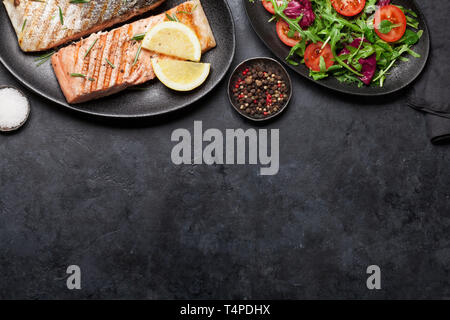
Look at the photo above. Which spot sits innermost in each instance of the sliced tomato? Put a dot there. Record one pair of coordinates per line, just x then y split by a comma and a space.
313, 53
283, 30
349, 8
269, 6
396, 16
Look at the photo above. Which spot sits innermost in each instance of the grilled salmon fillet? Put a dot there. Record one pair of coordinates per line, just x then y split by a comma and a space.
108, 62
45, 24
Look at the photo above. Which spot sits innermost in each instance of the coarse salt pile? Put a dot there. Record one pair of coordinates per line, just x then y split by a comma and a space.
14, 109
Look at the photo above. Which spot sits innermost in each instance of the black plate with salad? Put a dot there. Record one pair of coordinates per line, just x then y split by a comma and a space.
361, 47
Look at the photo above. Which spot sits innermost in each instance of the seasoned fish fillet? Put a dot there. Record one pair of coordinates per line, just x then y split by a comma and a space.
45, 24
83, 70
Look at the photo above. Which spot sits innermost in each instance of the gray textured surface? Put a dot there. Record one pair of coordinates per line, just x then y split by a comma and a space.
359, 184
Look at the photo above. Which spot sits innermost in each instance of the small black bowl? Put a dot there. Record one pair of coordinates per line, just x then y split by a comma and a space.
267, 63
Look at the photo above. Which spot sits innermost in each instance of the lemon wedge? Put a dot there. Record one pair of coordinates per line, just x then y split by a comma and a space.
180, 75
173, 39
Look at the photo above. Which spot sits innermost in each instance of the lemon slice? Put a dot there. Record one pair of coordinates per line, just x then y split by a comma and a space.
180, 75
173, 39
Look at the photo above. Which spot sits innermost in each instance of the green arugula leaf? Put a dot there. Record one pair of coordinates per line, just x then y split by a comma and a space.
386, 26
410, 37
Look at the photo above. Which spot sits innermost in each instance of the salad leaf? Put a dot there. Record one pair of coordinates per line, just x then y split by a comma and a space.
302, 9
410, 37
383, 3
369, 66
386, 26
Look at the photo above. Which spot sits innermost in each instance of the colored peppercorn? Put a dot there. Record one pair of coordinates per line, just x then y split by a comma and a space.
261, 93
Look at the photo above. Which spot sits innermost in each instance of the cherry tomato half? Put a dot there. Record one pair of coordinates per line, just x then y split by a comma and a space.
282, 31
313, 53
269, 7
396, 16
348, 8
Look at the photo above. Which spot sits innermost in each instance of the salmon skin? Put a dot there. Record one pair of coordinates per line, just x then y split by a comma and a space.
42, 25
108, 62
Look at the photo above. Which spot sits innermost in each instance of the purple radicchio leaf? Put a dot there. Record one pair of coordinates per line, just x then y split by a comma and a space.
296, 8
369, 65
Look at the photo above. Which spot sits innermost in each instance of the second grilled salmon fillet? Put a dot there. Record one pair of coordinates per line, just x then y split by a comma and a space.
83, 70
45, 24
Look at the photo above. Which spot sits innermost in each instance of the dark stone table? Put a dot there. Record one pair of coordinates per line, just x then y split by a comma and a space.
359, 184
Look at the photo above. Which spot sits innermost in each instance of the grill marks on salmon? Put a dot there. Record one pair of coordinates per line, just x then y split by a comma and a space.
38, 25
101, 79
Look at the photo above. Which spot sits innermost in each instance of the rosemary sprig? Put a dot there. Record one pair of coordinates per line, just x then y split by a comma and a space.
24, 24
61, 17
89, 49
78, 75
44, 58
110, 63
139, 37
189, 12
137, 55
172, 18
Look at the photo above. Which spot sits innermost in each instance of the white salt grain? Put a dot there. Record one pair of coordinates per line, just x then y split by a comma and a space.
14, 109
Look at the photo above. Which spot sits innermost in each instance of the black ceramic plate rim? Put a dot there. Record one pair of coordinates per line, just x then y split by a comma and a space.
362, 94
288, 79
135, 116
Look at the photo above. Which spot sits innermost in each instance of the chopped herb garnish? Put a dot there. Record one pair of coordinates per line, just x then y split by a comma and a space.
90, 47
137, 55
24, 24
139, 37
192, 10
44, 58
110, 63
61, 17
172, 18
78, 75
